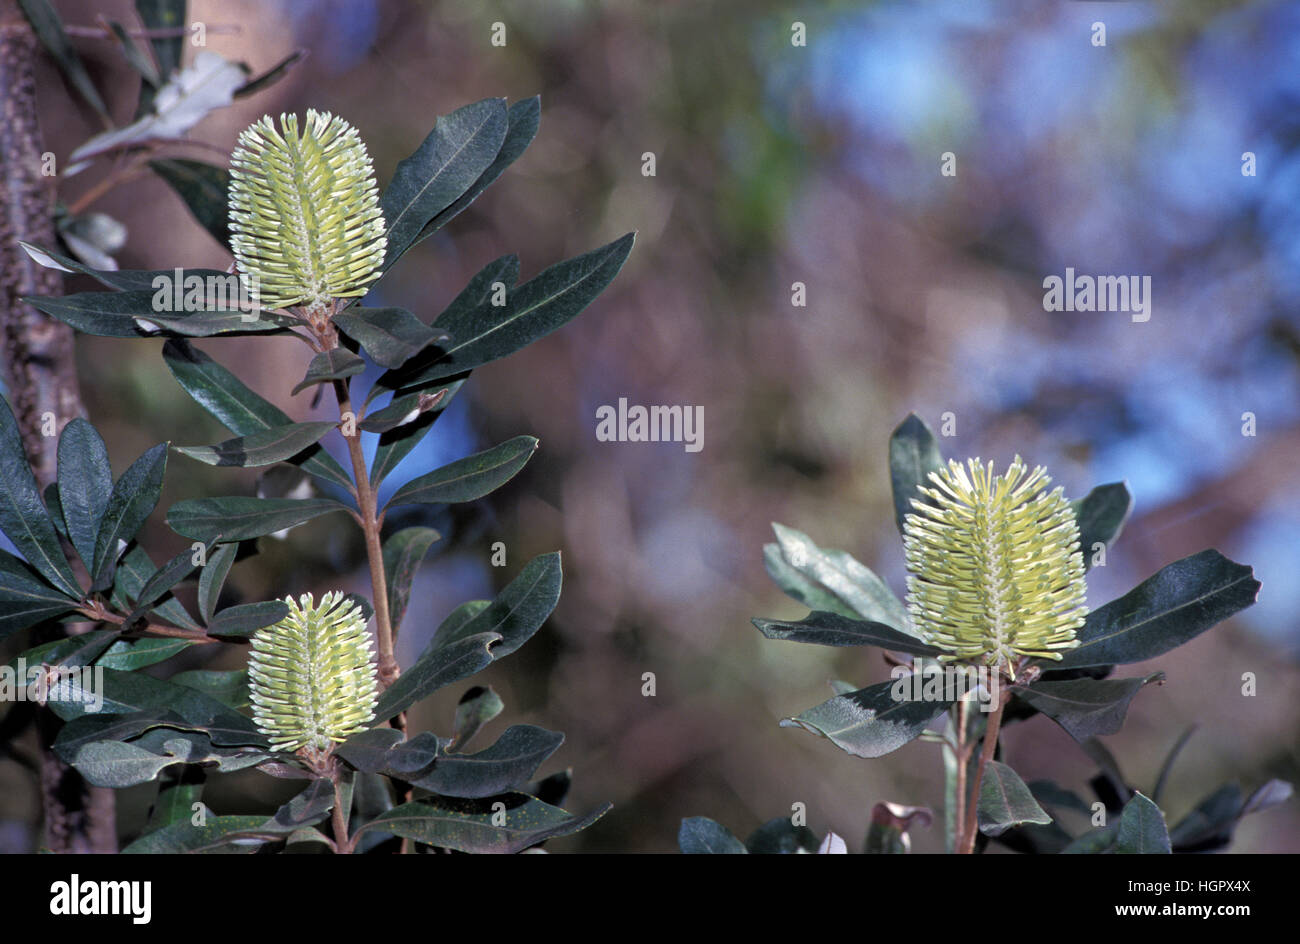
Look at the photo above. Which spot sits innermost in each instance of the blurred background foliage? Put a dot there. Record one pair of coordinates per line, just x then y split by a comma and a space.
778, 164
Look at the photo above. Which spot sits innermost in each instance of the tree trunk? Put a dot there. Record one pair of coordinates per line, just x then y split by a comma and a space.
39, 371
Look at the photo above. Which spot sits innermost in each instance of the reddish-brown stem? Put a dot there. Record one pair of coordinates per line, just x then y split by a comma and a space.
967, 844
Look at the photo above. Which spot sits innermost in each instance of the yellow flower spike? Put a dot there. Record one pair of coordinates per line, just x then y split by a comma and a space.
305, 222
994, 565
311, 678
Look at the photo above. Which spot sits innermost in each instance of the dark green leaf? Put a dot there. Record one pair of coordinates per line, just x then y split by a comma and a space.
470, 478
403, 552
137, 57
246, 833
1005, 801
271, 75
26, 599
517, 612
504, 766
237, 518
1142, 828
337, 364
71, 651
913, 455
121, 764
49, 30
1094, 842
461, 318
247, 619
1175, 606
397, 441
239, 409
136, 314
455, 154
179, 789
203, 189
870, 722
85, 482
438, 666
138, 280
831, 629
391, 336
127, 655
133, 569
532, 311
229, 687
134, 702
213, 577
163, 580
133, 499
523, 119
1086, 707
22, 514
164, 15
700, 835
781, 837
476, 707
1101, 515
467, 825
833, 577
307, 808
406, 412
265, 448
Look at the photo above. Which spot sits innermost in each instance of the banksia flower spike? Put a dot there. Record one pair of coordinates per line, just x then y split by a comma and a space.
311, 678
304, 212
994, 566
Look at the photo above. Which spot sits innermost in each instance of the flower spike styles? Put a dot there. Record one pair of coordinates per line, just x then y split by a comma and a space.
305, 222
311, 678
994, 566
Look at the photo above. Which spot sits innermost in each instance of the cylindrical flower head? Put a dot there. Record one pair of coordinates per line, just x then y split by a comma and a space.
311, 678
994, 567
304, 212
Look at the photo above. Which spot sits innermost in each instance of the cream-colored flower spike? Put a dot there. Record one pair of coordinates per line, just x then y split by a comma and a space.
311, 677
994, 566
305, 222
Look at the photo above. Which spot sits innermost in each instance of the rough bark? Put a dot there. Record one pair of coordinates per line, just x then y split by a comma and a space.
40, 377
